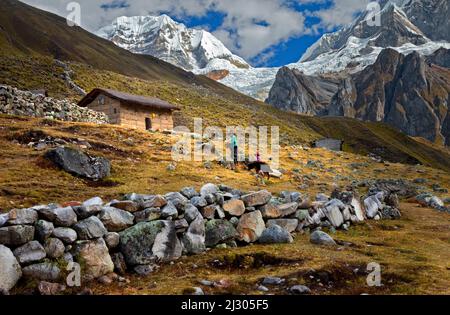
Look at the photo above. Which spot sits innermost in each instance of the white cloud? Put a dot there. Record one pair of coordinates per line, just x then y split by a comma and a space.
251, 28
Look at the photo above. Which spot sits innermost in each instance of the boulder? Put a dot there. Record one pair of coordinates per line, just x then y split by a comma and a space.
358, 210
84, 212
321, 238
116, 220
112, 239
16, 235
30, 252
43, 230
10, 271
54, 248
333, 212
147, 242
93, 256
156, 201
234, 207
67, 235
95, 201
194, 239
177, 199
209, 189
288, 224
191, 212
79, 163
126, 205
151, 214
390, 213
275, 235
90, 228
255, 199
189, 192
64, 217
45, 271
169, 210
300, 289
23, 217
250, 227
373, 205
219, 231
199, 202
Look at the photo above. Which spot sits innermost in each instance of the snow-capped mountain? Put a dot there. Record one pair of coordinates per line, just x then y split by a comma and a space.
162, 37
406, 26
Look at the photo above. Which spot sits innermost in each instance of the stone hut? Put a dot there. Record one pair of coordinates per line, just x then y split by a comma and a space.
132, 111
328, 143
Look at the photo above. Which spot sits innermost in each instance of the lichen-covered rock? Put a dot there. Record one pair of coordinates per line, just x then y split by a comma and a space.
93, 256
116, 220
147, 242
10, 271
250, 227
219, 231
16, 235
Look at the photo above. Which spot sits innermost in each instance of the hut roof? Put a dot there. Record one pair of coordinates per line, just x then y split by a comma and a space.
128, 98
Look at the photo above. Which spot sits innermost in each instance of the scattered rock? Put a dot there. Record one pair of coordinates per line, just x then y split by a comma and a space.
48, 288
79, 163
321, 238
145, 270
273, 281
300, 289
275, 235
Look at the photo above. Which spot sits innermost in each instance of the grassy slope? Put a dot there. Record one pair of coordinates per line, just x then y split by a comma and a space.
412, 251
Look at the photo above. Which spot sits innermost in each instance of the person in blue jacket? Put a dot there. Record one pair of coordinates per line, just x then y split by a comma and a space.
234, 145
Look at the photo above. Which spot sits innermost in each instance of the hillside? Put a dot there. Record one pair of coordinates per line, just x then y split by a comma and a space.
406, 248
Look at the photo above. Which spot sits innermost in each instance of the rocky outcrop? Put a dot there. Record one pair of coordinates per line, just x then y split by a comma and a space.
22, 103
79, 163
297, 92
403, 91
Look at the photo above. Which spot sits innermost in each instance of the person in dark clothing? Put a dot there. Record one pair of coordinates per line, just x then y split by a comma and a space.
234, 145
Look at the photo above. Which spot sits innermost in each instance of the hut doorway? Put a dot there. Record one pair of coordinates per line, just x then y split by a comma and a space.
148, 124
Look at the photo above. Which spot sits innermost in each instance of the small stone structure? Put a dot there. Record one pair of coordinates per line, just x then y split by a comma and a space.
133, 111
329, 143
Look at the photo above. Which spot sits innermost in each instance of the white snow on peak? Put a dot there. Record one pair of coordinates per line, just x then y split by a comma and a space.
164, 38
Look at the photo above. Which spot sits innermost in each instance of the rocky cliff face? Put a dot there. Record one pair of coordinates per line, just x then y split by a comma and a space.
407, 92
300, 93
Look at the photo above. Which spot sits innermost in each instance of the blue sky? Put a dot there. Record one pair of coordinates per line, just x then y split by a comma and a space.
264, 32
